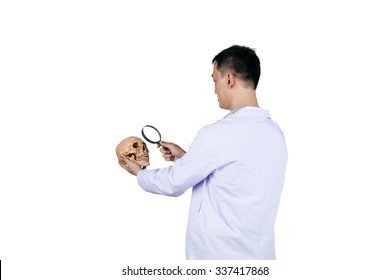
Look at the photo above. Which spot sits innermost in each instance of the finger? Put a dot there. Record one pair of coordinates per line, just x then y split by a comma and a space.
127, 160
169, 157
123, 164
164, 144
160, 146
167, 150
123, 158
164, 151
168, 146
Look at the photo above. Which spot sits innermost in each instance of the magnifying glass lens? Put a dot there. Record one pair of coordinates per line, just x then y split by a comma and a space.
151, 134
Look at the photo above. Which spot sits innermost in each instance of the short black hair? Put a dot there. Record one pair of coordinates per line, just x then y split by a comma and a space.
243, 61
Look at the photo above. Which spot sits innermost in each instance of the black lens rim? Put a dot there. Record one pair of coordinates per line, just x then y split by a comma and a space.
146, 138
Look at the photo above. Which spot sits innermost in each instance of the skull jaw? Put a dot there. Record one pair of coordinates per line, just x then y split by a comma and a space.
143, 163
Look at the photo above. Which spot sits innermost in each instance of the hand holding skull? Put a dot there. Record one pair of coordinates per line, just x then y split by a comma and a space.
133, 154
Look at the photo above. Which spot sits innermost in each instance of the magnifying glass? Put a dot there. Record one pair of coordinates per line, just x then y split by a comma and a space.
152, 135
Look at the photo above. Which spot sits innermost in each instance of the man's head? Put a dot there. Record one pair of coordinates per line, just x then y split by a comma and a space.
241, 61
236, 74
134, 148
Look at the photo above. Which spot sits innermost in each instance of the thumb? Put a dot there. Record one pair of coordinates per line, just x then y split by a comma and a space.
168, 147
166, 144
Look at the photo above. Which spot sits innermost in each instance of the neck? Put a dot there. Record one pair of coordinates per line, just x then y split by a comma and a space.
244, 99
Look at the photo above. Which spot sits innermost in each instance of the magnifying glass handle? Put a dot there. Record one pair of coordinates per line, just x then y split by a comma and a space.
166, 149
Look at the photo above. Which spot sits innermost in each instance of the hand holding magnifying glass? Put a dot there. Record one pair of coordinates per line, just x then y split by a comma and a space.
152, 135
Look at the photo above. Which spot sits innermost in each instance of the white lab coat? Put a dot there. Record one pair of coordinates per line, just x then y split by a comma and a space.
236, 170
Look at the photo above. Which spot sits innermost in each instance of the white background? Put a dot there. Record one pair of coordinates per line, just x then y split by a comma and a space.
79, 76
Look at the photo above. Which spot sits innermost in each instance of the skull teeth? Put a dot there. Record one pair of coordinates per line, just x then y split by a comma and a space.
144, 157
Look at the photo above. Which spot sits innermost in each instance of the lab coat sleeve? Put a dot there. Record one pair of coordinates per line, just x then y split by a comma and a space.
200, 160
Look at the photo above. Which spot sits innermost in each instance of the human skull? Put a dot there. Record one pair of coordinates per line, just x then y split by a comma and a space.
134, 148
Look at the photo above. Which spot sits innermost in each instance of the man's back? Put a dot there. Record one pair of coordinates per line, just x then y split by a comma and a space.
233, 210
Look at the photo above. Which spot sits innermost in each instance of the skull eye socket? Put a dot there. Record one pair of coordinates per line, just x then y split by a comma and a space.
132, 155
135, 145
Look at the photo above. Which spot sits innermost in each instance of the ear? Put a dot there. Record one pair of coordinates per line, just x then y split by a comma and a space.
231, 79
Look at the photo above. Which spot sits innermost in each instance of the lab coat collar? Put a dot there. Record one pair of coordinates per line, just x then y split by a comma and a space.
248, 111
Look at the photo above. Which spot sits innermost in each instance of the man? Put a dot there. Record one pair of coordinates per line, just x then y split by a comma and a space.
235, 167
